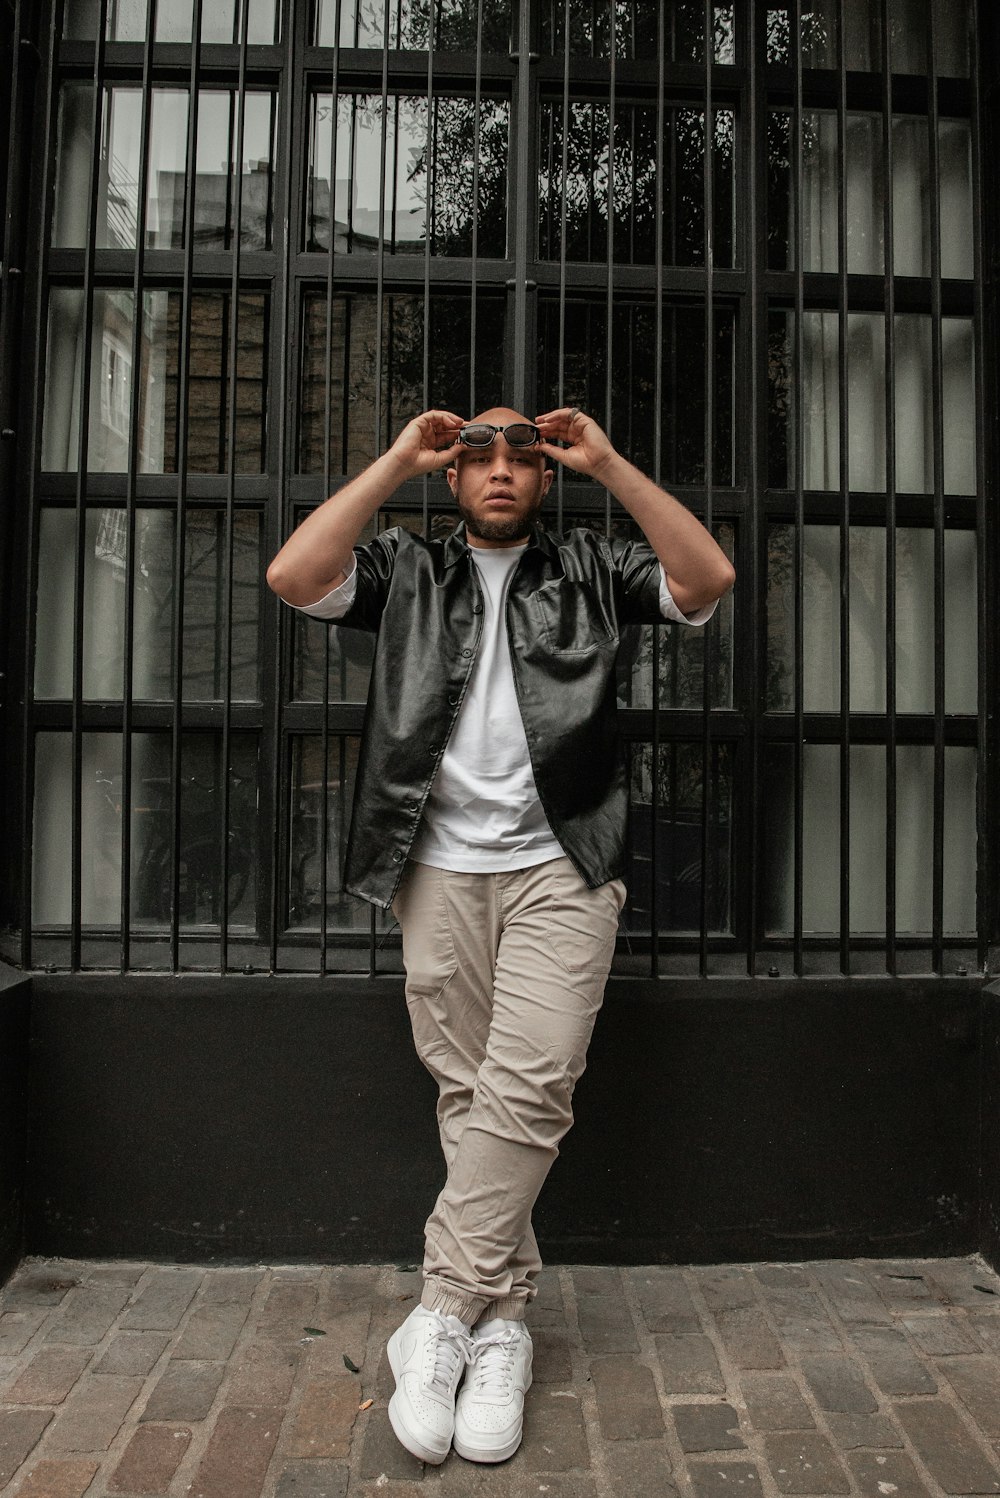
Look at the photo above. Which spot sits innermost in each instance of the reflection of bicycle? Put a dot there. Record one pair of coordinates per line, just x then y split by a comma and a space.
305, 870
199, 877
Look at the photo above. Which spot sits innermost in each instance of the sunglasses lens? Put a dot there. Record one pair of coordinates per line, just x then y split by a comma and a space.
478, 436
521, 434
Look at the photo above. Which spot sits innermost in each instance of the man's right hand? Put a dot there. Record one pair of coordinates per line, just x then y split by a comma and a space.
316, 557
428, 442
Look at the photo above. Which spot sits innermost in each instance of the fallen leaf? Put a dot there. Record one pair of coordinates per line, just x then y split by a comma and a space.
314, 1331
352, 1366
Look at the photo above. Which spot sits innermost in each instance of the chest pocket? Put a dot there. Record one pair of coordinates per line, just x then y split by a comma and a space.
572, 620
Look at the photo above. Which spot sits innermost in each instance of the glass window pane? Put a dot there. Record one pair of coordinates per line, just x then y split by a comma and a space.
404, 25
630, 28
631, 178
366, 214
865, 400
677, 832
961, 622
955, 164
154, 591
820, 183
820, 399
633, 417
127, 21
201, 814
216, 171
915, 839
780, 227
323, 793
167, 174
680, 651
912, 38
100, 830
111, 382
375, 390
958, 358
819, 34
911, 219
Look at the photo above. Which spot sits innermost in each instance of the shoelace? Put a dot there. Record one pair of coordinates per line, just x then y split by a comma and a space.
493, 1363
448, 1345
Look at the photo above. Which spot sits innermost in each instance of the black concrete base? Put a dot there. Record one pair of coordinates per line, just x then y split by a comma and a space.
14, 998
281, 1119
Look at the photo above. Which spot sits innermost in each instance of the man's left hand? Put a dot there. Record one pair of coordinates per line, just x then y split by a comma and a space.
589, 449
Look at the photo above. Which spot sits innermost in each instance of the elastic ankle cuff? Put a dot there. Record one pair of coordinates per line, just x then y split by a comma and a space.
436, 1297
511, 1308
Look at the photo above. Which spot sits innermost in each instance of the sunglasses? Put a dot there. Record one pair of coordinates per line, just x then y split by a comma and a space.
518, 434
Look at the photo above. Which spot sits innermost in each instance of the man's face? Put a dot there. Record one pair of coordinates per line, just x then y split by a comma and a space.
499, 489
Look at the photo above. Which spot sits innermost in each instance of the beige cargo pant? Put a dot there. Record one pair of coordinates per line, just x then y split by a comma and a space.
505, 975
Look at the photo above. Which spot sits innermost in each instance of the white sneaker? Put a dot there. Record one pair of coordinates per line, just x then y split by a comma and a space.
427, 1355
490, 1408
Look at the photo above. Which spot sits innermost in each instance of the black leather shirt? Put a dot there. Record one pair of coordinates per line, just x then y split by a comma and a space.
569, 599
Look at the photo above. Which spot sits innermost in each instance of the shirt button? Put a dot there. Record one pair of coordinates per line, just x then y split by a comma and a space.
432, 748
477, 608
397, 856
454, 699
466, 652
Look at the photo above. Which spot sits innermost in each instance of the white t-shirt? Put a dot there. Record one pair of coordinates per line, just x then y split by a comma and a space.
483, 814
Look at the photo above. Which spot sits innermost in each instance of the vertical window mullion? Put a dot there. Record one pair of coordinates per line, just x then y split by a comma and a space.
890, 503
654, 863
379, 314
227, 658
706, 699
567, 125
33, 522
279, 463
609, 313
80, 501
756, 124
799, 439
324, 828
843, 394
985, 787
130, 491
937, 392
180, 528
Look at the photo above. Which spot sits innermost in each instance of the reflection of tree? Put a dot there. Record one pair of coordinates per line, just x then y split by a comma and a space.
583, 195
407, 24
637, 29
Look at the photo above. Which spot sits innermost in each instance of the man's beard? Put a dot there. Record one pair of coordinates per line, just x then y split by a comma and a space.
516, 527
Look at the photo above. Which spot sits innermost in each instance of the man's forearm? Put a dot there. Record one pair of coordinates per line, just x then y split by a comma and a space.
317, 554
698, 570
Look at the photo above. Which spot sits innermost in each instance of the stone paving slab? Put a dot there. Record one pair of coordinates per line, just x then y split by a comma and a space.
877, 1378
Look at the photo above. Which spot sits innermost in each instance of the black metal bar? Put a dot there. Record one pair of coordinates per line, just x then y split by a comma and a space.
76, 836
519, 187
889, 281
749, 592
654, 857
234, 345
379, 313
180, 533
937, 392
281, 463
706, 677
609, 314
324, 832
799, 440
845, 508
563, 172
134, 463
985, 789
33, 526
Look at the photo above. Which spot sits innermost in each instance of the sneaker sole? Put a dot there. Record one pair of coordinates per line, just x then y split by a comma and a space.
404, 1435
473, 1453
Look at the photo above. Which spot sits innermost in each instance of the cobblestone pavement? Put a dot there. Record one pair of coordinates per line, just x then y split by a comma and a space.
864, 1376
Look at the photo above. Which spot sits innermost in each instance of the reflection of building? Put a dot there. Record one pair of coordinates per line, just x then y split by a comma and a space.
813, 782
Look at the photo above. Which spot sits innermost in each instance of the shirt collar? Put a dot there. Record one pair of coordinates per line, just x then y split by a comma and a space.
456, 545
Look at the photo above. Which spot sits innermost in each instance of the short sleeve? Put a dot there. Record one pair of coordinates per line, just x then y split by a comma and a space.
337, 602
669, 609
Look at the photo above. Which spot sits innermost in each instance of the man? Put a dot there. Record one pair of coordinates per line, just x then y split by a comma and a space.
489, 813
